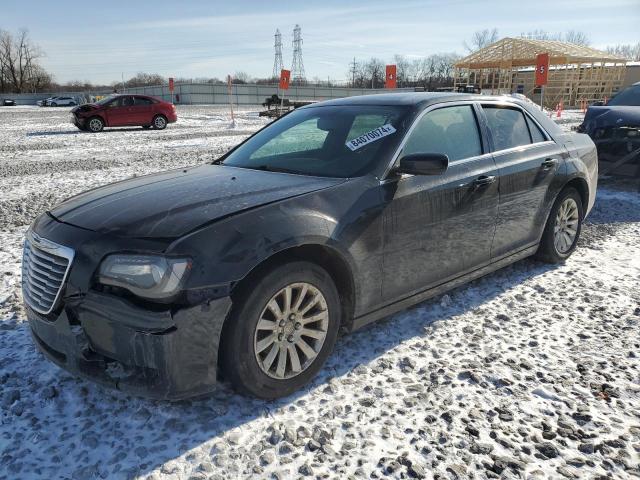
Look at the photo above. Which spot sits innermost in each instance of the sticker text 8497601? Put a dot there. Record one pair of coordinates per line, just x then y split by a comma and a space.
366, 138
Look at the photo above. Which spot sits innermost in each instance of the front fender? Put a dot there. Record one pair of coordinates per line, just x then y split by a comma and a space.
345, 218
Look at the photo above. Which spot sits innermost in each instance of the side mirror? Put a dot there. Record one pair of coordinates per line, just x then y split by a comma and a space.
599, 103
423, 164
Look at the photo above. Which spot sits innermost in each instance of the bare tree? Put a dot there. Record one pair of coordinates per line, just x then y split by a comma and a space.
577, 37
402, 70
240, 78
142, 79
481, 38
19, 70
374, 71
628, 51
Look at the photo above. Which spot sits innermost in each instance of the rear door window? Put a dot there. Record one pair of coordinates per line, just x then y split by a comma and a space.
449, 130
508, 127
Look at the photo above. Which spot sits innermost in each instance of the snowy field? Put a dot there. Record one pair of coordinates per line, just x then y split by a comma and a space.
532, 372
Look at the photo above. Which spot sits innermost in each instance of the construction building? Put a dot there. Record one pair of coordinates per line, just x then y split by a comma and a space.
576, 73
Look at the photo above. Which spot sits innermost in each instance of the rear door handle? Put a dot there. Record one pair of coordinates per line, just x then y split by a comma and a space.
549, 163
484, 180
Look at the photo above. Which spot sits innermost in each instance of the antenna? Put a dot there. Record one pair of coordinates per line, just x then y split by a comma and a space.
297, 67
277, 61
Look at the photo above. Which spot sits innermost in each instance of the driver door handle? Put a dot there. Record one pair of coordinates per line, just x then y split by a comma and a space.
484, 180
549, 163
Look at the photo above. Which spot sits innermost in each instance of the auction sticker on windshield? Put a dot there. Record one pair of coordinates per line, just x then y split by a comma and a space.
372, 136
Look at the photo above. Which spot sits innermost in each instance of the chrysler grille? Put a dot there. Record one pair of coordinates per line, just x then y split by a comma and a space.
44, 270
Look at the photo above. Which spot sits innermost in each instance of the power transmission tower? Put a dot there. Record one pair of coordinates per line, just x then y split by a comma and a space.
297, 67
277, 61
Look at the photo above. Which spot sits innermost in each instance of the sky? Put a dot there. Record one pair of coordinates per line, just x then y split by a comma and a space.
101, 42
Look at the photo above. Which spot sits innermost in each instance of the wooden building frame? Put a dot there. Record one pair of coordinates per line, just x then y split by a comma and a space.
576, 73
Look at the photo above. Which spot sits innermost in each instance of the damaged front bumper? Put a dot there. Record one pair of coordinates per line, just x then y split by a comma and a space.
160, 354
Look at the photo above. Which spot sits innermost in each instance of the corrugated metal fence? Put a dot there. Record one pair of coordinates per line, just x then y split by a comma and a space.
205, 93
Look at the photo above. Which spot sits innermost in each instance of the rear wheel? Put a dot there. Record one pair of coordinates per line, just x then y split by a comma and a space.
54, 104
281, 331
95, 124
160, 122
562, 231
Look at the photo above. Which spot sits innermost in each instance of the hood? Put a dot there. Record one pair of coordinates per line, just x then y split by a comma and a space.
610, 117
173, 203
85, 107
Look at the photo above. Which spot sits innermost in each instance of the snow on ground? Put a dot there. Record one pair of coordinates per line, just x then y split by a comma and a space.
531, 372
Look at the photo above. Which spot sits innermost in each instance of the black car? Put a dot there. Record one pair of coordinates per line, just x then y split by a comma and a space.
615, 127
329, 218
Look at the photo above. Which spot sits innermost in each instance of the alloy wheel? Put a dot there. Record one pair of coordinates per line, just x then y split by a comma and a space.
95, 125
291, 331
565, 229
160, 122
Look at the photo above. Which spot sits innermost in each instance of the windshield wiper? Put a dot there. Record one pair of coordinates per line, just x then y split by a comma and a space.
270, 168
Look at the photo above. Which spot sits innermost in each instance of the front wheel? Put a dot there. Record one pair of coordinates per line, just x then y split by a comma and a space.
281, 330
159, 122
95, 124
54, 104
562, 231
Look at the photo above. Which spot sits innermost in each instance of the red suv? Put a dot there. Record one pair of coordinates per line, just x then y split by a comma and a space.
122, 111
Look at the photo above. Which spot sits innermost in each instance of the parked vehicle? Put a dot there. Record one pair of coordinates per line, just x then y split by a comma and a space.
615, 127
45, 102
8, 102
336, 215
124, 110
57, 101
64, 102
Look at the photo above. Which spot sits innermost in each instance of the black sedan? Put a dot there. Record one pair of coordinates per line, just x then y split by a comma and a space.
329, 218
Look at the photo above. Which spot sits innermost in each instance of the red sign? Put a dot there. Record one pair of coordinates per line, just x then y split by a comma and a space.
542, 69
171, 85
285, 77
390, 78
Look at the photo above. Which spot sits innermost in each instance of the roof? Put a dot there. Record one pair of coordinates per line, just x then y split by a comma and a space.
521, 52
400, 98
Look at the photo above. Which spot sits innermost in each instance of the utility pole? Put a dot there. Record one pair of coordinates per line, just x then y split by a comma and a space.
297, 66
277, 61
354, 65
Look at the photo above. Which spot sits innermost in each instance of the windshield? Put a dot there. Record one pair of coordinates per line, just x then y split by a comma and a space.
629, 97
331, 141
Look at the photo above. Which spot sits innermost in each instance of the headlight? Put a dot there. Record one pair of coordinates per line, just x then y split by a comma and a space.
147, 276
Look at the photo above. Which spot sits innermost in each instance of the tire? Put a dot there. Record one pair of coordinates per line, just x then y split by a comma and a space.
54, 104
94, 124
243, 343
558, 242
159, 122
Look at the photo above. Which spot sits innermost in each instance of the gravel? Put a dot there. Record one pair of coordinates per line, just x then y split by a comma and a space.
530, 372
